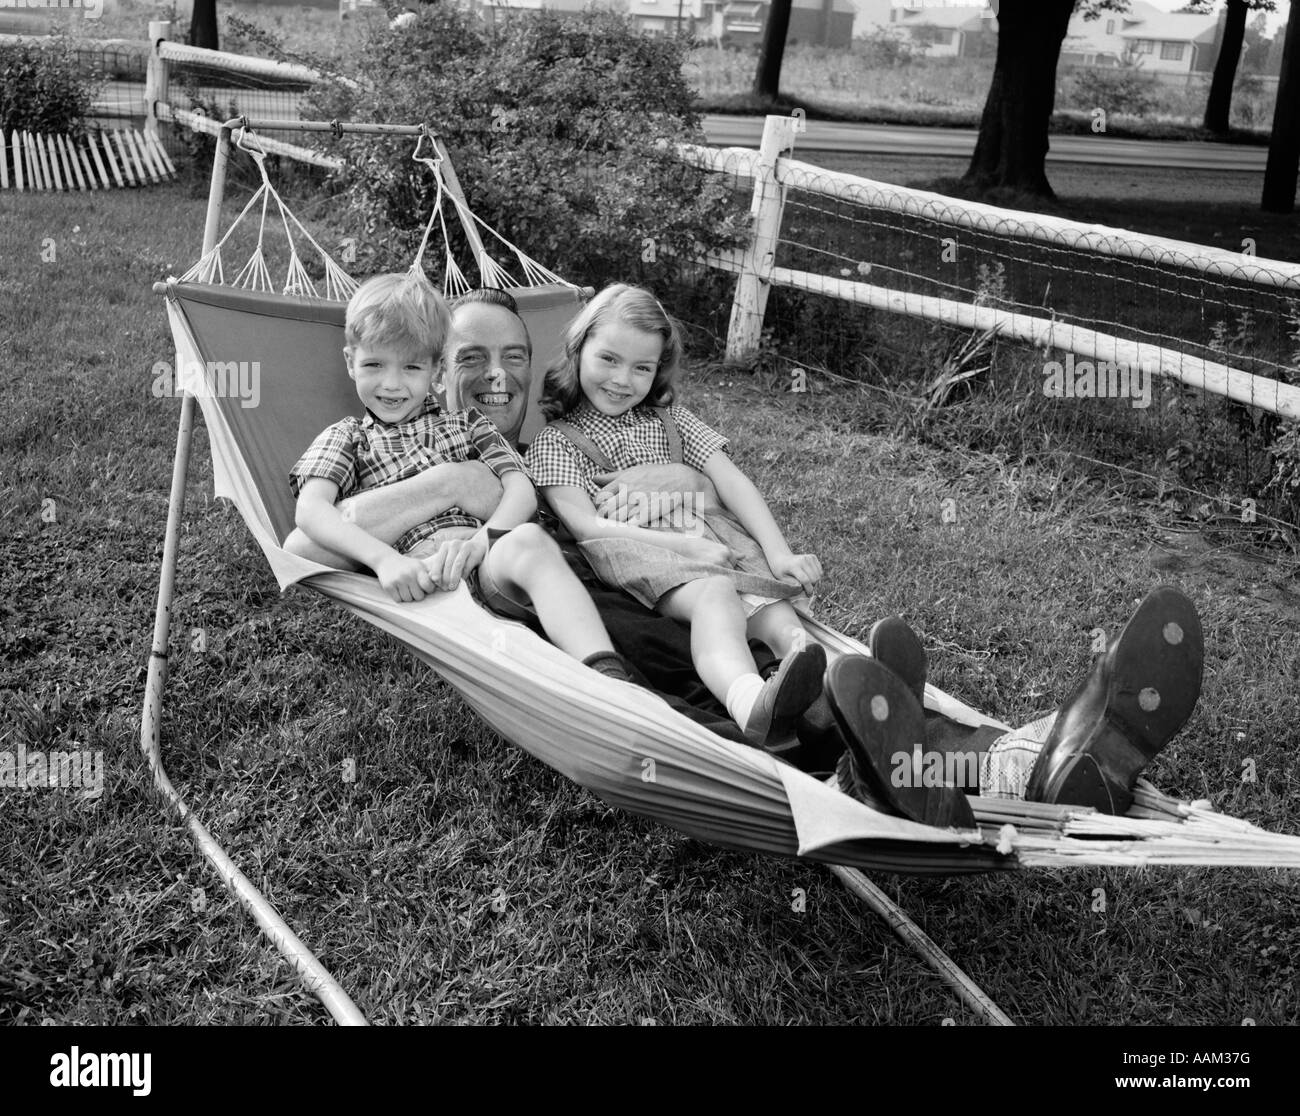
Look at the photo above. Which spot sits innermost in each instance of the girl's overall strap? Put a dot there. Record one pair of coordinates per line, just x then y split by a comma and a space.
585, 444
673, 435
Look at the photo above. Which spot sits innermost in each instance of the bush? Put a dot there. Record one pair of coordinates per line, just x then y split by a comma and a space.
885, 47
43, 88
1123, 90
560, 130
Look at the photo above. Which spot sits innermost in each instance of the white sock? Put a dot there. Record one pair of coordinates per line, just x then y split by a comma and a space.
741, 696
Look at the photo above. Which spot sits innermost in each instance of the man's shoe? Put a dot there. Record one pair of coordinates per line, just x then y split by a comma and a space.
795, 686
884, 727
894, 644
1135, 699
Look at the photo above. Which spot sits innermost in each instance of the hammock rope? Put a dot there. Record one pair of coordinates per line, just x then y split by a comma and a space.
491, 273
255, 275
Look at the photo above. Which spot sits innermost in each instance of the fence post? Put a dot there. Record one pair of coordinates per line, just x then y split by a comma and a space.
155, 75
750, 303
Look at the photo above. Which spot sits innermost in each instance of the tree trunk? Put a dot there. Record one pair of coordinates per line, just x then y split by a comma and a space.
1012, 147
1284, 144
1219, 104
767, 80
827, 19
203, 25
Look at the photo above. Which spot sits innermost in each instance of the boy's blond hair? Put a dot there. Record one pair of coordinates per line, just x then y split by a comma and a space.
402, 310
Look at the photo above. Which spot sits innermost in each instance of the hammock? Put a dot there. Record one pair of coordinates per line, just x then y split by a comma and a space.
622, 743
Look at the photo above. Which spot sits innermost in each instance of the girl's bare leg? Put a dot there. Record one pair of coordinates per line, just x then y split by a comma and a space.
719, 646
779, 626
720, 651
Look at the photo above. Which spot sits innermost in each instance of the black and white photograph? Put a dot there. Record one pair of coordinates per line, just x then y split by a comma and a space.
716, 514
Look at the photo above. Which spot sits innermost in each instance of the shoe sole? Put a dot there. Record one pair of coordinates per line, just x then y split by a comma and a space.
893, 644
880, 718
1148, 700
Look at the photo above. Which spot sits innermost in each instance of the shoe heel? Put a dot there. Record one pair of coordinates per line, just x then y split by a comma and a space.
1082, 782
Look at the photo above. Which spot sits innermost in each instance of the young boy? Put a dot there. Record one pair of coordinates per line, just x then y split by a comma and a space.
395, 330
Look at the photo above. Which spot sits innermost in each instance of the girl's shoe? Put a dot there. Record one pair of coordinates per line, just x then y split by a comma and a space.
884, 727
1136, 697
795, 686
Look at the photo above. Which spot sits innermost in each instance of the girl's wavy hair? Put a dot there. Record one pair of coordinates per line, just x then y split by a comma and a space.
619, 302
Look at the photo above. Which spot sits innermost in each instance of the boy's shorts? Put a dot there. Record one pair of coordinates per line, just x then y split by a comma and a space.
484, 588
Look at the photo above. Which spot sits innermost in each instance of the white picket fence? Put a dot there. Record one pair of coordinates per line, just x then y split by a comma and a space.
99, 160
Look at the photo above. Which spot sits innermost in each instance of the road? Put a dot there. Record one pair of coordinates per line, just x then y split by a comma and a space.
892, 139
871, 139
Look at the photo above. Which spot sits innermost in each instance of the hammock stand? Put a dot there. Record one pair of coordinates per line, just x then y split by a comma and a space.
588, 728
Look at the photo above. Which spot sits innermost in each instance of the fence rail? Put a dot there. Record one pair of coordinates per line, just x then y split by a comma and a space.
1097, 239
774, 175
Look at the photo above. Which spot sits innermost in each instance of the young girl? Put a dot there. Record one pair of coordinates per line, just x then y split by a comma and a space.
731, 578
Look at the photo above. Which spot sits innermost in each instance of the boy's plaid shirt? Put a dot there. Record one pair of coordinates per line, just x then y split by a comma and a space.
360, 454
635, 437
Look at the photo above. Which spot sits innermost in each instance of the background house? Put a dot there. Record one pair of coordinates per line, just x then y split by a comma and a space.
1175, 42
732, 22
870, 16
945, 32
741, 22
1160, 42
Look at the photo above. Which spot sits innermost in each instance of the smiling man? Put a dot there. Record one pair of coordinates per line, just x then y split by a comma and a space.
488, 361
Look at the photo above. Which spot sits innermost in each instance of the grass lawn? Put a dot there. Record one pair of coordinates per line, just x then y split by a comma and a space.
458, 879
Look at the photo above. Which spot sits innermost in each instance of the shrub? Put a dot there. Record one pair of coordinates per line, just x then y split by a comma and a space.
43, 87
560, 130
1123, 90
885, 47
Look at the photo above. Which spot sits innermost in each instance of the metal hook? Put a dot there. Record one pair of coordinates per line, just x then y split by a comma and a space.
245, 133
426, 134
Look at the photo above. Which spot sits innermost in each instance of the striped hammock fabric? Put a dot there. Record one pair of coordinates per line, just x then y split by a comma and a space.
624, 744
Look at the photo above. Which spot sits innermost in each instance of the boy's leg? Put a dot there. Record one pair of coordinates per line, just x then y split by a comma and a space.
528, 560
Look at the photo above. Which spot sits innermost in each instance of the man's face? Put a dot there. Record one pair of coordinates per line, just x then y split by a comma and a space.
487, 365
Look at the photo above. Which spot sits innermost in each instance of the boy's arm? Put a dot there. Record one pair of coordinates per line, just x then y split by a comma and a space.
456, 557
320, 521
746, 503
389, 512
518, 502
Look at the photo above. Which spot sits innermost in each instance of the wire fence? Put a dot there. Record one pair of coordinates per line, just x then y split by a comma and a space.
1016, 332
